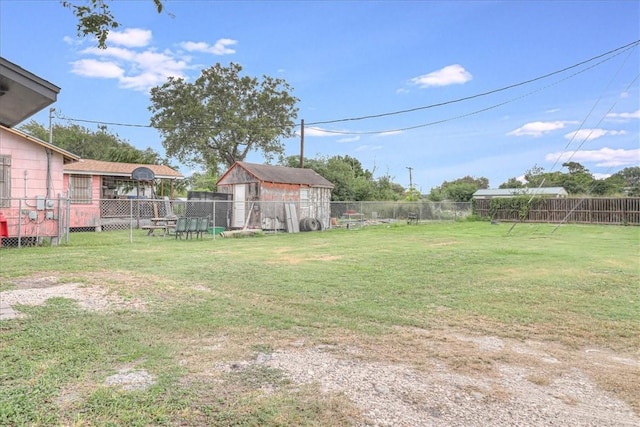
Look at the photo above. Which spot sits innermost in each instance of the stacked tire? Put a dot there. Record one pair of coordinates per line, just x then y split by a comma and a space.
310, 224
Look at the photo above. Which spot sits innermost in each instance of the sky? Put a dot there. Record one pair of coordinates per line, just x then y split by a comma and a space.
458, 88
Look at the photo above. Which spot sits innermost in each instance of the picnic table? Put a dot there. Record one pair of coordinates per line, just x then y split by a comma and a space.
165, 225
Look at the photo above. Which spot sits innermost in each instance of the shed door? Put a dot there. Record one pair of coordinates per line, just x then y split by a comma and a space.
238, 205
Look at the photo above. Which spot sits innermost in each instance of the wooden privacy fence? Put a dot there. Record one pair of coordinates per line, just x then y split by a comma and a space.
584, 210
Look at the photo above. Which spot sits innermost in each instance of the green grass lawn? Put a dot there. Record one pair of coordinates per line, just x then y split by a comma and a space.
578, 287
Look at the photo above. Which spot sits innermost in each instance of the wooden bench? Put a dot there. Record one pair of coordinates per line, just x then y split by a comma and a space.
152, 228
412, 217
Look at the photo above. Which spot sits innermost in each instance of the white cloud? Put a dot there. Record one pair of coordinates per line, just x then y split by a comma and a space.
309, 131
160, 63
591, 134
219, 48
538, 128
138, 66
113, 52
95, 68
142, 82
361, 148
553, 110
391, 132
350, 139
131, 37
73, 41
143, 70
134, 69
601, 175
624, 116
449, 75
604, 157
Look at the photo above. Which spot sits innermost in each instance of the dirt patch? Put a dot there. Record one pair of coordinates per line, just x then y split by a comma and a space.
129, 379
440, 377
294, 259
37, 290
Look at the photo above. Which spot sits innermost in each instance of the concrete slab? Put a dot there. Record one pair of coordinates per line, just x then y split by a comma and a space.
6, 312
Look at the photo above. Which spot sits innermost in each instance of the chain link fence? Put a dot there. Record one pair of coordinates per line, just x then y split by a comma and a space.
399, 211
33, 222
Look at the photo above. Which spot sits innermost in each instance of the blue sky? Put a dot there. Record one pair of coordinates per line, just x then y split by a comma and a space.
349, 59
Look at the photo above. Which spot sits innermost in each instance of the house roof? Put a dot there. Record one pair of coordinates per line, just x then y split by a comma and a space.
100, 167
542, 191
282, 174
68, 156
22, 93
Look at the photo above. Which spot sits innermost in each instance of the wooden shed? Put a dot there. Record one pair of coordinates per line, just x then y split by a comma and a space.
271, 197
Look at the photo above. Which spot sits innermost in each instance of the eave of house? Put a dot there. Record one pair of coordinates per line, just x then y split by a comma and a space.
22, 93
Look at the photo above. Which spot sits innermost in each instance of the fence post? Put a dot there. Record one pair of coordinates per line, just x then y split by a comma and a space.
19, 223
130, 220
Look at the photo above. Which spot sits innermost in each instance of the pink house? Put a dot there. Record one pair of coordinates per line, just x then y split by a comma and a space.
98, 191
31, 170
45, 190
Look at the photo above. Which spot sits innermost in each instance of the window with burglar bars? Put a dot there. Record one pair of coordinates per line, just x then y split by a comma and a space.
80, 188
5, 181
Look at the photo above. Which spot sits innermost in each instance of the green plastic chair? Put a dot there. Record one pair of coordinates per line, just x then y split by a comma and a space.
203, 226
192, 227
181, 226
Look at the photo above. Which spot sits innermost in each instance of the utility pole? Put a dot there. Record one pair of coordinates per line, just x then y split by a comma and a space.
51, 110
301, 143
410, 178
49, 154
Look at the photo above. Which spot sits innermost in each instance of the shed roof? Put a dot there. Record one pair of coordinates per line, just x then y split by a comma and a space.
100, 167
67, 156
504, 192
282, 174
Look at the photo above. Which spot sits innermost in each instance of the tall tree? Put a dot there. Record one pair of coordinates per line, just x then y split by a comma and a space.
203, 181
223, 116
95, 18
512, 182
97, 145
459, 190
627, 181
351, 180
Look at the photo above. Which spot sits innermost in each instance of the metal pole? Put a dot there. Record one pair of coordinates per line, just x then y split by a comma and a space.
51, 110
302, 143
410, 178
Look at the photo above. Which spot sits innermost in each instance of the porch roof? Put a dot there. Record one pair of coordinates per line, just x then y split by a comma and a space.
100, 167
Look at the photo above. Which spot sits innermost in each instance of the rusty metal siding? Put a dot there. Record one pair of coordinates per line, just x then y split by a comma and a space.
274, 197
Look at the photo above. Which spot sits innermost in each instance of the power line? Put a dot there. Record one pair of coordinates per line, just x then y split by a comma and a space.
440, 104
614, 52
482, 110
586, 138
